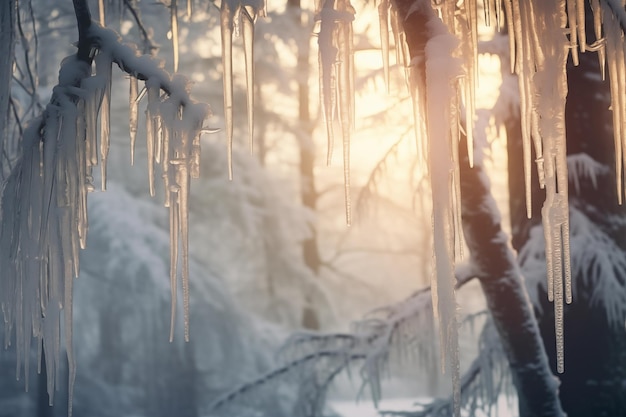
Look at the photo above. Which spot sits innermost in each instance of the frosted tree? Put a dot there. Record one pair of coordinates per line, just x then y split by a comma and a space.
542, 37
44, 209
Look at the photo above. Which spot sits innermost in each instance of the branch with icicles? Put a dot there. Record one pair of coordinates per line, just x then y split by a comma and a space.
44, 202
389, 339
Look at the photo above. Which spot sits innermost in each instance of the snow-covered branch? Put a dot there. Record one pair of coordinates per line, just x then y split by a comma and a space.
389, 338
44, 202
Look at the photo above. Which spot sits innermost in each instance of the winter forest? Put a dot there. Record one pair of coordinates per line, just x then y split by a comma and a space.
306, 209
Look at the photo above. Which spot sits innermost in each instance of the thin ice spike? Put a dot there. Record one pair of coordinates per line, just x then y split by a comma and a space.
573, 30
174, 29
580, 24
133, 115
345, 99
183, 213
226, 26
327, 59
104, 68
383, 16
248, 15
174, 231
101, 12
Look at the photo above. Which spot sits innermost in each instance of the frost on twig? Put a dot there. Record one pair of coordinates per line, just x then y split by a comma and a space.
485, 381
44, 202
387, 340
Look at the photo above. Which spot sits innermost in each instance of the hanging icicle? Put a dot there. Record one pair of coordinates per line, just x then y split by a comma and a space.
336, 63
174, 31
238, 16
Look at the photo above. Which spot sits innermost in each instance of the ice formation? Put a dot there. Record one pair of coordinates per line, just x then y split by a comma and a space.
174, 31
44, 204
238, 16
336, 67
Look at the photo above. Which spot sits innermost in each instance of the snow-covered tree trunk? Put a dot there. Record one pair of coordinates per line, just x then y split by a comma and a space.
595, 347
308, 191
496, 267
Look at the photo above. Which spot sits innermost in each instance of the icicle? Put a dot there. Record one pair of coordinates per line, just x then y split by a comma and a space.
226, 26
151, 128
442, 72
103, 68
580, 24
550, 85
327, 59
597, 28
572, 16
383, 17
248, 16
101, 11
174, 30
345, 83
336, 73
174, 232
133, 105
189, 11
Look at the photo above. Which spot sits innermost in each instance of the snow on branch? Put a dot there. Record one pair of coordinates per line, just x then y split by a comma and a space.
388, 339
482, 385
43, 210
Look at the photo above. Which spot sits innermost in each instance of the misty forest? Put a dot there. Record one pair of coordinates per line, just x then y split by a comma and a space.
301, 209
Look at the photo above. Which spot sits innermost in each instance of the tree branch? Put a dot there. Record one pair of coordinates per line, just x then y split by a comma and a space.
83, 21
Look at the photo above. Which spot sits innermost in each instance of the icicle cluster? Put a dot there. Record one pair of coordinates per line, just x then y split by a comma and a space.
542, 34
44, 205
238, 16
336, 69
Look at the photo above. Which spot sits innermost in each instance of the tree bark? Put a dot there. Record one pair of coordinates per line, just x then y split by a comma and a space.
308, 192
507, 299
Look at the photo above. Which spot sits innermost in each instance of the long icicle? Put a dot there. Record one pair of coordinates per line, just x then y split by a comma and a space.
327, 60
248, 16
133, 112
226, 27
174, 30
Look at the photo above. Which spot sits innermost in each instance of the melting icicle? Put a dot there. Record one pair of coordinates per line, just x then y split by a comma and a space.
345, 83
248, 16
226, 25
383, 18
174, 29
103, 68
441, 96
174, 231
133, 104
336, 76
152, 112
327, 59
550, 46
101, 12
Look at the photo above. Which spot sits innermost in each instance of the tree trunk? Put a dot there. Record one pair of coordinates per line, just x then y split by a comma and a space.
310, 252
